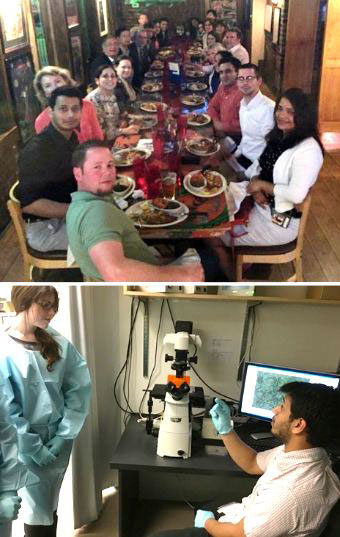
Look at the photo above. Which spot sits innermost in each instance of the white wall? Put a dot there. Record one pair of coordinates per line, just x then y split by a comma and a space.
257, 45
303, 336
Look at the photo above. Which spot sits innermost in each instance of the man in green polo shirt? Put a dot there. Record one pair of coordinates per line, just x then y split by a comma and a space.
102, 237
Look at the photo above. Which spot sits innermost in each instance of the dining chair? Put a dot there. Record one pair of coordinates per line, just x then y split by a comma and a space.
284, 253
54, 259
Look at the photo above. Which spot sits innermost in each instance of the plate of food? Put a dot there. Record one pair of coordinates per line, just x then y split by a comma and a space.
124, 186
168, 205
202, 147
205, 184
198, 120
126, 157
193, 100
151, 87
146, 214
151, 106
143, 121
157, 65
193, 72
165, 53
153, 74
197, 86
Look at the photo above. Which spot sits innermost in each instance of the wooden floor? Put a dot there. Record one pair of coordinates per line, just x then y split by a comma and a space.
321, 259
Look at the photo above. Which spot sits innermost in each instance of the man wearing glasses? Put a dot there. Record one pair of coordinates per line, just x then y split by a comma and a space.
256, 119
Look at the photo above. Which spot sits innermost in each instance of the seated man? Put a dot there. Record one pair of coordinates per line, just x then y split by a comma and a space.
297, 488
225, 105
141, 57
103, 239
108, 56
232, 42
256, 119
45, 172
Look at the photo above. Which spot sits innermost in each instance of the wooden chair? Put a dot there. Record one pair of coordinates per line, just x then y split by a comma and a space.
55, 259
284, 253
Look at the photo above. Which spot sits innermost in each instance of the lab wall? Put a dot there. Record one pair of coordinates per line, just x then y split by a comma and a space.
296, 335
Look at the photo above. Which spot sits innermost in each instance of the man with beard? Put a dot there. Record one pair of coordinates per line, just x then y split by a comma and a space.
297, 488
103, 239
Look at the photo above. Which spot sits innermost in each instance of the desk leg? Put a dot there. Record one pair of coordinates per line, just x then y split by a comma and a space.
128, 483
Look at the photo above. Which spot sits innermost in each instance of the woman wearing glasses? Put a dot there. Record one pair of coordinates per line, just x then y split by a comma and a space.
281, 177
47, 385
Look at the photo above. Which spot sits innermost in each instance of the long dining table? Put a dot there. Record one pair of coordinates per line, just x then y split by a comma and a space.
209, 216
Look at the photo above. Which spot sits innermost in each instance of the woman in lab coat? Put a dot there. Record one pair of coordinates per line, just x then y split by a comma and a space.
48, 387
12, 473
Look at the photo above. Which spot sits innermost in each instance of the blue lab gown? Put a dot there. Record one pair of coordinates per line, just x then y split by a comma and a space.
13, 474
42, 404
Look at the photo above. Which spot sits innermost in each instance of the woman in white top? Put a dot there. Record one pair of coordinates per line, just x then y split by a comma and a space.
105, 102
282, 177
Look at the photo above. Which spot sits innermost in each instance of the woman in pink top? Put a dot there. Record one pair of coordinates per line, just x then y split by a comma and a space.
48, 79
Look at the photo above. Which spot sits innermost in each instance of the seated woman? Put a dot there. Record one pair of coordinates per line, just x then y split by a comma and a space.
124, 90
105, 102
211, 39
48, 79
281, 178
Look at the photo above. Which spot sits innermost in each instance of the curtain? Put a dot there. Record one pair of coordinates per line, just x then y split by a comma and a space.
87, 489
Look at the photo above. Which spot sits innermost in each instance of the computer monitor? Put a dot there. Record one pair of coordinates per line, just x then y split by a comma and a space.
261, 383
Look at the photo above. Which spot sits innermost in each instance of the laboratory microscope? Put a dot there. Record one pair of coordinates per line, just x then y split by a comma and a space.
175, 430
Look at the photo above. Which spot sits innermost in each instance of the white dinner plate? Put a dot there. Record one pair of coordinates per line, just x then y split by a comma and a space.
193, 123
119, 155
193, 100
144, 106
204, 192
188, 146
136, 210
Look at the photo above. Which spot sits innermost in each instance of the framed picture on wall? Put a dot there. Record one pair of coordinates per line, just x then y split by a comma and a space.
102, 17
77, 58
268, 16
72, 15
20, 75
276, 25
13, 25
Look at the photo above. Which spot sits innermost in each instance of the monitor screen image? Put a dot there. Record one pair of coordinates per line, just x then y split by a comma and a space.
261, 384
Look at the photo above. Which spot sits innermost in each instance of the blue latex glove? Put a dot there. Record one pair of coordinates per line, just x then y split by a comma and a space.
9, 506
43, 457
201, 518
220, 414
55, 445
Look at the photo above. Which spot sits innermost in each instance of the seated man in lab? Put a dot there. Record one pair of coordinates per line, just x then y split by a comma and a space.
103, 239
225, 105
45, 172
297, 488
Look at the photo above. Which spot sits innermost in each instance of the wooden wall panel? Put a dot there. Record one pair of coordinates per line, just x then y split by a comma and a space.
329, 104
300, 44
9, 172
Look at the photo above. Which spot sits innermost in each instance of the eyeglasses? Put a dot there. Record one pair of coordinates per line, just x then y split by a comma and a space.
46, 305
243, 78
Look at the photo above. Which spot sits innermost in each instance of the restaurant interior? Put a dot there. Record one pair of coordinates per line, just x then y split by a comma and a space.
295, 43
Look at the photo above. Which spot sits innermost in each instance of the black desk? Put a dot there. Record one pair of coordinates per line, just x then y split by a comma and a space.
136, 451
